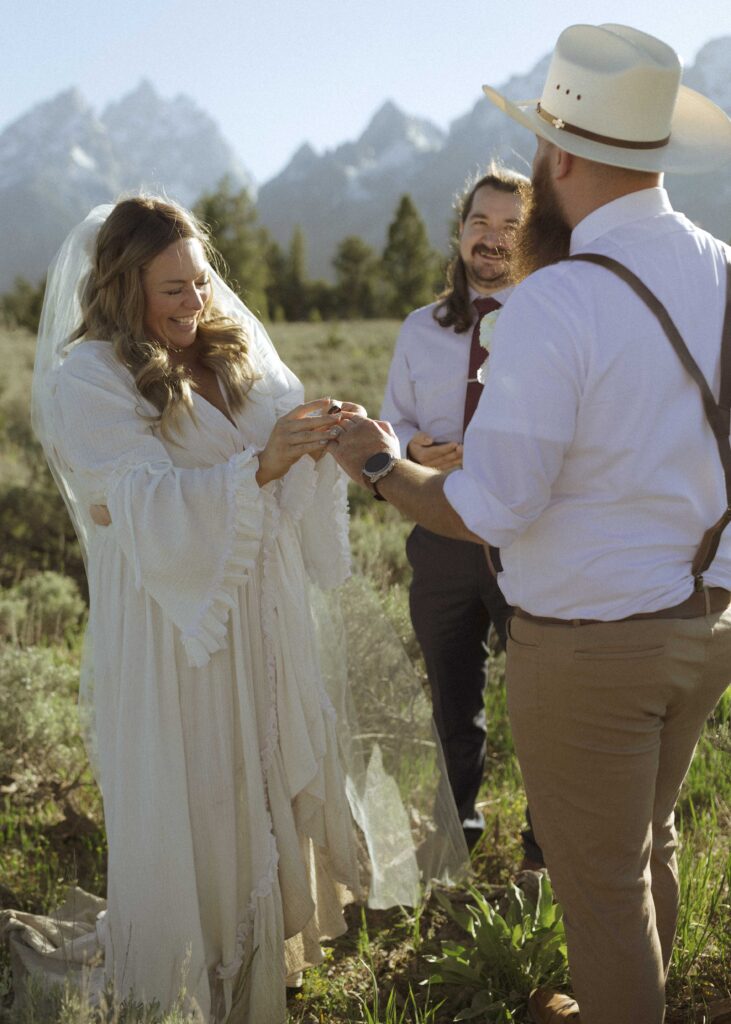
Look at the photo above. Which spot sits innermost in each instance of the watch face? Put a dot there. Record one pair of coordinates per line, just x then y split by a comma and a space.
375, 463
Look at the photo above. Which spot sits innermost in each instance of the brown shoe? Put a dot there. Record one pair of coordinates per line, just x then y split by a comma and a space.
549, 1007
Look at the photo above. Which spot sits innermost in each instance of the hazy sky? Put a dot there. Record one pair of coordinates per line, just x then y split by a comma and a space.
276, 74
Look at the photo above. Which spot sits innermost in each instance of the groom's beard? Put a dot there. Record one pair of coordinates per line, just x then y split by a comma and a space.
543, 235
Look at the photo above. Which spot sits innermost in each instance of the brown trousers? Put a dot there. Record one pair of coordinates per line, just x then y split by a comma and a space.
605, 719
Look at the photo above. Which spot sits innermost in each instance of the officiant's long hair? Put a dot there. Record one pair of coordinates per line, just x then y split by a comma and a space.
454, 306
113, 308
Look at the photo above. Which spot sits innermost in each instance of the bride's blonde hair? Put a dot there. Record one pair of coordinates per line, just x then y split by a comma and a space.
113, 309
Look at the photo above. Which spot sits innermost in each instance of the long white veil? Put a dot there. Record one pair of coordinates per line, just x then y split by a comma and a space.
396, 774
393, 762
60, 316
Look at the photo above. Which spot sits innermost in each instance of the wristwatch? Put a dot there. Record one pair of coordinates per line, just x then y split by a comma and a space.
376, 467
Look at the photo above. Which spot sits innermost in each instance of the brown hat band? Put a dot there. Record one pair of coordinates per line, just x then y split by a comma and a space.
558, 122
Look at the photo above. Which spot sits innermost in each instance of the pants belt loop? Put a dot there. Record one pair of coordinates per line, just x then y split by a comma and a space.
707, 598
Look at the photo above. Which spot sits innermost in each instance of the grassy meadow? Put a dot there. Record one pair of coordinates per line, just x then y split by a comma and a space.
470, 955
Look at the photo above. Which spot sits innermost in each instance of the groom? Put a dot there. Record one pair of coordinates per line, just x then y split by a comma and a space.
591, 464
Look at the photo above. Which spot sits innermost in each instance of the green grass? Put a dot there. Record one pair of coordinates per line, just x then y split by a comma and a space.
51, 830
347, 360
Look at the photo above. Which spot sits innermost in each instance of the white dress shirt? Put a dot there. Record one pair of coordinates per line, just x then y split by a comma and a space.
427, 381
589, 460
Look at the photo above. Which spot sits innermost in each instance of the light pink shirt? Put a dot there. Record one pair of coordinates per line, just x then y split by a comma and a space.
427, 381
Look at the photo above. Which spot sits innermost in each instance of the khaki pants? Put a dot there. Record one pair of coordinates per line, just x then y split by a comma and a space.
605, 719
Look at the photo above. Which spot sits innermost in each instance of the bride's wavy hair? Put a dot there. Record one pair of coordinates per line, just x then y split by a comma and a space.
113, 309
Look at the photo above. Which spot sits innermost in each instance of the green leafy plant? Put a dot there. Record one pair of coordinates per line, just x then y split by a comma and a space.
507, 955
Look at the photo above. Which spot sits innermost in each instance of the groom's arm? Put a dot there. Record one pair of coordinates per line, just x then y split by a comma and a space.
416, 491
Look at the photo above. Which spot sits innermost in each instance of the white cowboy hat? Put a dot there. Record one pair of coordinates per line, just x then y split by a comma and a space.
613, 95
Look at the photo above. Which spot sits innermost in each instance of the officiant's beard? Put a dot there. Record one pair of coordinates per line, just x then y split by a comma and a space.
543, 236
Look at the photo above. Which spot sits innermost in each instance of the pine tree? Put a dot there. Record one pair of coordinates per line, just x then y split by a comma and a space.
235, 232
276, 263
290, 294
356, 269
408, 261
320, 301
293, 290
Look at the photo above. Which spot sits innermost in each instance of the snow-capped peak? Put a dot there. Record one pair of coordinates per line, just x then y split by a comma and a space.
390, 125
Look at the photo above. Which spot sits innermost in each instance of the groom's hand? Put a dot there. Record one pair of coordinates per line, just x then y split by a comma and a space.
416, 491
360, 438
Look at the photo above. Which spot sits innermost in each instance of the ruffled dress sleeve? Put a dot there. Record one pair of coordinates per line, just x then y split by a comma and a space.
327, 550
191, 535
312, 494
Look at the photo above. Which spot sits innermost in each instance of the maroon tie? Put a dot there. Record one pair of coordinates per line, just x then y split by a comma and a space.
478, 355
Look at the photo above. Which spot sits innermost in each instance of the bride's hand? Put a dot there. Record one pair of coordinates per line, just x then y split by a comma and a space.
304, 431
344, 411
353, 409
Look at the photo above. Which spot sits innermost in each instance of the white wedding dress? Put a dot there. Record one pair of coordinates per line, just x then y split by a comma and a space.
216, 745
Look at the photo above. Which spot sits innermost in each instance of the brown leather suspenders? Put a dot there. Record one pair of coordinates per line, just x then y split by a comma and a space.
718, 413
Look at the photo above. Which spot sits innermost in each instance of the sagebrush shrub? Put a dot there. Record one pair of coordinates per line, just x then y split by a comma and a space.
53, 607
13, 615
39, 724
37, 532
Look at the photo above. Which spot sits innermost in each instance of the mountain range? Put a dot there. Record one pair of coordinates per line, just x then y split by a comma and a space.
61, 158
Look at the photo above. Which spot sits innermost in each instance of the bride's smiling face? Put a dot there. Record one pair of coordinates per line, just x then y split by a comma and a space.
177, 287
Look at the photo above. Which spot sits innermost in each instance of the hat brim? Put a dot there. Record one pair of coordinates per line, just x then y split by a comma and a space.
700, 138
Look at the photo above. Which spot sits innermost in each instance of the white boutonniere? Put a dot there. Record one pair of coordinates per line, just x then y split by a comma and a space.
487, 329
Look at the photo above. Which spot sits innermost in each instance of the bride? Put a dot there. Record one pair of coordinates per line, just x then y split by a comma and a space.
207, 505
